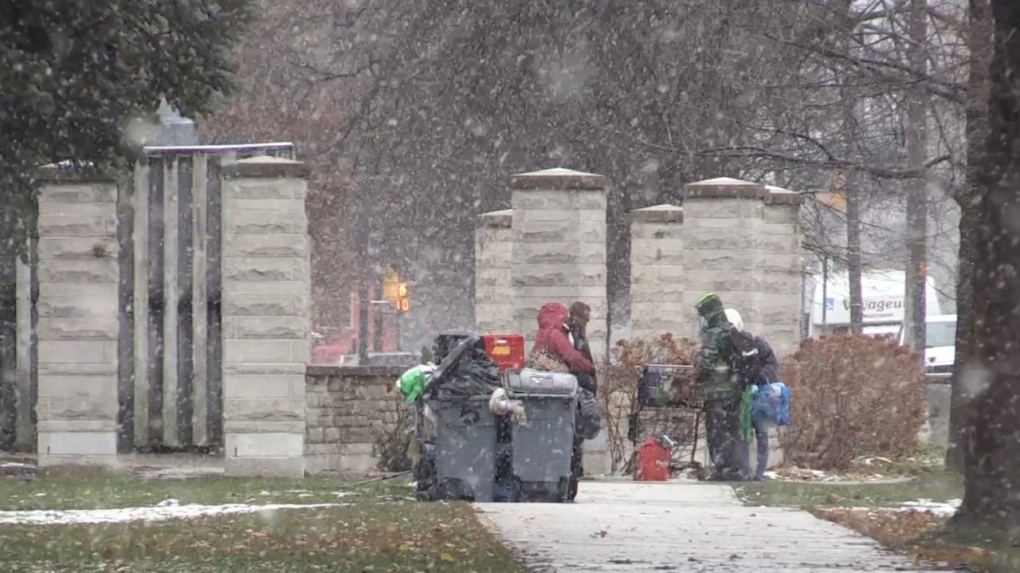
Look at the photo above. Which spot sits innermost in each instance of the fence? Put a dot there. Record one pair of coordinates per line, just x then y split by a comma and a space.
170, 348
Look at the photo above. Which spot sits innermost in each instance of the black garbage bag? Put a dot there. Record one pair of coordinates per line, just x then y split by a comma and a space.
588, 420
465, 372
445, 342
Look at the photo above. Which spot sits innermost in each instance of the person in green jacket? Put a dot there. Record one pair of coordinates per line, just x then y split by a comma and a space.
722, 391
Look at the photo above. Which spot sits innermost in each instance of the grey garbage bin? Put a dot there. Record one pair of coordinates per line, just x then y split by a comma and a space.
465, 448
542, 448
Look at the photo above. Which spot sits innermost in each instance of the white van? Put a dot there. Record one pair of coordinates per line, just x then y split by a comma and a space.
882, 293
939, 343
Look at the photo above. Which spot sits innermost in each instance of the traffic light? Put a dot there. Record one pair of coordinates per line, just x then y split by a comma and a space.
403, 301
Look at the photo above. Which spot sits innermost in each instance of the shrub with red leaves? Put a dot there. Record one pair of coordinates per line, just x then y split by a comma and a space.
852, 395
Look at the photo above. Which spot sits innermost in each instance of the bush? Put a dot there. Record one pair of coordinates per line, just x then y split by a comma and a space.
618, 391
852, 395
392, 445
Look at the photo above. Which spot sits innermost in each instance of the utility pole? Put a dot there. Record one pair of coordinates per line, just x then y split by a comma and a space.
915, 305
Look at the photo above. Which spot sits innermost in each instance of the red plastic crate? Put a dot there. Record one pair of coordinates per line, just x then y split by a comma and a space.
506, 350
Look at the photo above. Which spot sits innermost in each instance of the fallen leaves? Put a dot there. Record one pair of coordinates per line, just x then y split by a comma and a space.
891, 528
907, 530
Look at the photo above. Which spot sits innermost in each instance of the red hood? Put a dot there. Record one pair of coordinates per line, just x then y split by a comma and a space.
552, 315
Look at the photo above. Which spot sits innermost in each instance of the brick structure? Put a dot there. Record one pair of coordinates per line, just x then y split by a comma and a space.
349, 408
77, 319
494, 297
266, 315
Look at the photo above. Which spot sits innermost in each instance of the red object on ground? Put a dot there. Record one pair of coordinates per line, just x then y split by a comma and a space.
506, 350
653, 461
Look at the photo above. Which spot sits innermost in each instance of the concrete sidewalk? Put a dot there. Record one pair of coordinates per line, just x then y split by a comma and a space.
689, 527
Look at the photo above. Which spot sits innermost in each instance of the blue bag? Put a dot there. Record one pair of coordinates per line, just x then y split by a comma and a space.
772, 404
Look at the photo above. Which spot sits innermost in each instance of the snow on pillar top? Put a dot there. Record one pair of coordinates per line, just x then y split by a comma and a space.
725, 188
559, 179
267, 167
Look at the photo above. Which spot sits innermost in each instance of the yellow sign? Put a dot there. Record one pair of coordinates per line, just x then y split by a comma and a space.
501, 351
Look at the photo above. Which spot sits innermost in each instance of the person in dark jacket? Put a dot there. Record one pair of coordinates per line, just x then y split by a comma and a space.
768, 369
722, 392
577, 322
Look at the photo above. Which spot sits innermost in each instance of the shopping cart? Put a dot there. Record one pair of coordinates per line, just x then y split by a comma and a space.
670, 404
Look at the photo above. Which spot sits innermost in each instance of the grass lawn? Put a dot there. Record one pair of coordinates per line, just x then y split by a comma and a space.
938, 487
376, 530
118, 492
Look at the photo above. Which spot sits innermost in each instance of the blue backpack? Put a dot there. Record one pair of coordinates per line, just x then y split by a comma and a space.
772, 404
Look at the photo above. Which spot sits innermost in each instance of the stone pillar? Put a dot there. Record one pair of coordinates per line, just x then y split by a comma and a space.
657, 272
266, 315
722, 224
742, 242
78, 319
494, 297
559, 252
779, 247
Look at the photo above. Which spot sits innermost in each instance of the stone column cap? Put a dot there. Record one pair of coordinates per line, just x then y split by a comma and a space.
664, 213
68, 172
725, 188
730, 188
498, 219
559, 179
267, 167
780, 196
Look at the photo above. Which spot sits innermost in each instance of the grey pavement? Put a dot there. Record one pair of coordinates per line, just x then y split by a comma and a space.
688, 527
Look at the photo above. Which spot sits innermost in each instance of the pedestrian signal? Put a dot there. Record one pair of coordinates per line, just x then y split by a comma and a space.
403, 304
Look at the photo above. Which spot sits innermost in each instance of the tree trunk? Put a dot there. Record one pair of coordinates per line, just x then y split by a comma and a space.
850, 182
853, 258
968, 198
992, 491
917, 192
970, 220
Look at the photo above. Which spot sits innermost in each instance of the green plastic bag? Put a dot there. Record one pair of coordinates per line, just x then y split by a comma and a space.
413, 382
747, 412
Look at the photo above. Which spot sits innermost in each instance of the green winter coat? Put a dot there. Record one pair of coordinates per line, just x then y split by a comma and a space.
716, 348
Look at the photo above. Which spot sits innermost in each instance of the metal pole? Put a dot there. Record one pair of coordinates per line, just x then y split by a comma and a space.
825, 290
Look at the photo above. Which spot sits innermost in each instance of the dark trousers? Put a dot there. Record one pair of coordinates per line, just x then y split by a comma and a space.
726, 447
761, 436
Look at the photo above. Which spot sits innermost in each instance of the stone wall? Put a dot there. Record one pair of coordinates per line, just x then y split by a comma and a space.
348, 407
77, 325
494, 297
266, 315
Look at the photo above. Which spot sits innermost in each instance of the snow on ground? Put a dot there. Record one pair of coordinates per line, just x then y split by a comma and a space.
940, 508
946, 508
163, 511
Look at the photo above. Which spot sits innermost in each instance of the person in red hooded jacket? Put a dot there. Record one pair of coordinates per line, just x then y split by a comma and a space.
554, 339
